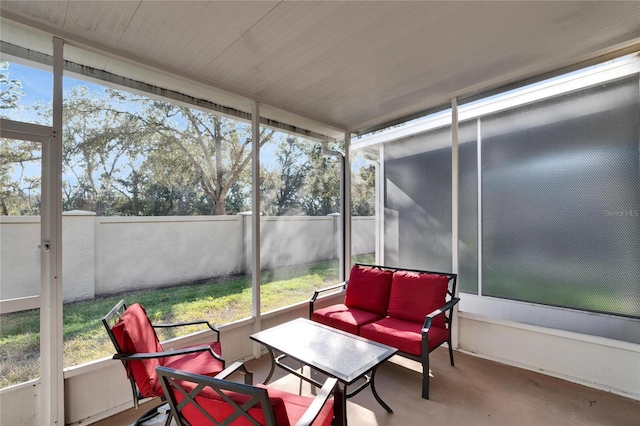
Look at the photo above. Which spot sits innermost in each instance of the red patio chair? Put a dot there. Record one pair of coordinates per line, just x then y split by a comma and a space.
140, 351
197, 400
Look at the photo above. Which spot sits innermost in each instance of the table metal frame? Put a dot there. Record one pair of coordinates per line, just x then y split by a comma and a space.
295, 340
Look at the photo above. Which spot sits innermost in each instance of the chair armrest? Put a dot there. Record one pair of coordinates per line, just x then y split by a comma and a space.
185, 323
322, 290
182, 351
248, 376
449, 305
318, 402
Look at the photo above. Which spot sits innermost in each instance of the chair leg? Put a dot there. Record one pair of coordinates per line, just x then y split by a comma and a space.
148, 415
169, 418
425, 375
450, 352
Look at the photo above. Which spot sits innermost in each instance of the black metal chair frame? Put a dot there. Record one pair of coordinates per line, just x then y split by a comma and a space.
446, 311
258, 397
111, 319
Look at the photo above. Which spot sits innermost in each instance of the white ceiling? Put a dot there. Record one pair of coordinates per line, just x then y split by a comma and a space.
344, 64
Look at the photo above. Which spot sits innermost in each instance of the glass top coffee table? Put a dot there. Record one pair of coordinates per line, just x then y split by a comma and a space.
335, 353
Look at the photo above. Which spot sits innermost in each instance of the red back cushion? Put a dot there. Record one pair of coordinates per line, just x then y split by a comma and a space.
369, 289
414, 296
135, 334
219, 409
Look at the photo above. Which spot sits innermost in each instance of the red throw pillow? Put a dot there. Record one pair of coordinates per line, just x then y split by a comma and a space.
414, 296
369, 289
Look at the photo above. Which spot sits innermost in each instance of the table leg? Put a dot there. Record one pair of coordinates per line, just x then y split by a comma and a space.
273, 366
375, 394
340, 405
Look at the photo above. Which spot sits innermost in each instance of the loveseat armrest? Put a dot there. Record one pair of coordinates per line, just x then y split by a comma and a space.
322, 290
318, 402
440, 311
185, 323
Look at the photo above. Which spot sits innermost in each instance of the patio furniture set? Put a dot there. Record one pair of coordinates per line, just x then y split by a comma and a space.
386, 311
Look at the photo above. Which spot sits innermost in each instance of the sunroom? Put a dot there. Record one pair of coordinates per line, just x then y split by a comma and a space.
502, 137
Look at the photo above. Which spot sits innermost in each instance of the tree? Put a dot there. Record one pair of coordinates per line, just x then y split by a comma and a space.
10, 89
307, 181
282, 188
101, 148
19, 191
127, 154
363, 191
133, 155
216, 150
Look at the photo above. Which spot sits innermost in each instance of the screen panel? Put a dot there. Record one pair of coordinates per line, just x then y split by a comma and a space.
561, 200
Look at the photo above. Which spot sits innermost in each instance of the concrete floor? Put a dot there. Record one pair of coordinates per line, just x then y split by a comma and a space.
474, 392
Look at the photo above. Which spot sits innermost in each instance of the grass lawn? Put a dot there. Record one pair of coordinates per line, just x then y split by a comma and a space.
219, 301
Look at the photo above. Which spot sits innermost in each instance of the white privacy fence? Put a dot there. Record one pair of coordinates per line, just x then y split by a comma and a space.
104, 255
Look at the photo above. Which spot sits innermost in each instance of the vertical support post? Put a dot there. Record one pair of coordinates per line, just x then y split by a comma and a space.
377, 211
454, 207
346, 207
51, 335
380, 202
255, 221
454, 185
479, 174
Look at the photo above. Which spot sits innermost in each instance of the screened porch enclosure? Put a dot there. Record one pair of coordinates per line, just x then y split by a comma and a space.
548, 192
509, 157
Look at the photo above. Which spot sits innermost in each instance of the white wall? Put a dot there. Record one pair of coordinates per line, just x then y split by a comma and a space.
594, 361
104, 255
19, 257
158, 251
362, 232
282, 244
78, 260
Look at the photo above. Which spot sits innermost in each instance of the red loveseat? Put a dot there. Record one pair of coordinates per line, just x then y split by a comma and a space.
410, 310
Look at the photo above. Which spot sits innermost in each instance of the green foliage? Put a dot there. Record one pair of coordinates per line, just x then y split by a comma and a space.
321, 195
220, 301
19, 190
10, 89
18, 196
281, 188
363, 192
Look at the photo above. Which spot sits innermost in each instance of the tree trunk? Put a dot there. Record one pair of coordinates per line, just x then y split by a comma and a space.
221, 207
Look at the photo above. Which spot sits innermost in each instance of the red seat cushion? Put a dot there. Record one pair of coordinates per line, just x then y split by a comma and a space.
414, 296
287, 408
344, 318
368, 289
404, 335
296, 405
198, 362
135, 334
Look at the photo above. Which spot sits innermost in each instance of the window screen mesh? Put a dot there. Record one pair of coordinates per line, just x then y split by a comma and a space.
468, 207
418, 203
561, 201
